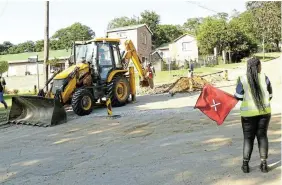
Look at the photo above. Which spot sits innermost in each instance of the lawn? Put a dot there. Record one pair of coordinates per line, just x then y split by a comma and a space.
170, 76
24, 56
268, 56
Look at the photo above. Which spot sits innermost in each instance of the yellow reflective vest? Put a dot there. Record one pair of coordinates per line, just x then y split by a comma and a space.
248, 107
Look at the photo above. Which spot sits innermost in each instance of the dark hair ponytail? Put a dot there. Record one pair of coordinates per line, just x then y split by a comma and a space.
253, 79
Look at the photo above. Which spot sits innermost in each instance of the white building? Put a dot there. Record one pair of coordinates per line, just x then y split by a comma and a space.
182, 49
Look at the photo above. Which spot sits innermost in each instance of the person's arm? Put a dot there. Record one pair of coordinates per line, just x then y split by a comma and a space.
269, 87
239, 94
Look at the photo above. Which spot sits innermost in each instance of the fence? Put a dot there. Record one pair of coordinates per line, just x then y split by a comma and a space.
207, 61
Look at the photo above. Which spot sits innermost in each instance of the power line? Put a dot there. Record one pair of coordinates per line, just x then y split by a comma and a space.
4, 8
192, 2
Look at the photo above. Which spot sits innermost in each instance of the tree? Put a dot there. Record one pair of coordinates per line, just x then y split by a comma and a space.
267, 20
167, 33
216, 32
4, 66
239, 44
121, 22
5, 47
56, 45
212, 33
39, 45
244, 23
192, 25
151, 19
221, 15
76, 31
27, 46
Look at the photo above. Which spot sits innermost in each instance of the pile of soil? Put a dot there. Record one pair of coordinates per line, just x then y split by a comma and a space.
181, 85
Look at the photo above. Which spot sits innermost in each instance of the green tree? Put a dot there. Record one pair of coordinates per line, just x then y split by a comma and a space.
39, 45
121, 22
151, 19
244, 23
167, 33
216, 32
192, 25
5, 47
267, 20
56, 45
76, 31
221, 15
212, 33
27, 46
4, 66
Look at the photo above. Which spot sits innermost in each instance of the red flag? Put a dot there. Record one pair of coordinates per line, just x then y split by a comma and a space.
215, 103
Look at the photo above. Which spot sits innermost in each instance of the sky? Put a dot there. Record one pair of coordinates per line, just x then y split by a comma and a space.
23, 20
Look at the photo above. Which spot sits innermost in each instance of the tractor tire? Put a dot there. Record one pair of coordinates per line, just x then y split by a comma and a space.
82, 102
121, 91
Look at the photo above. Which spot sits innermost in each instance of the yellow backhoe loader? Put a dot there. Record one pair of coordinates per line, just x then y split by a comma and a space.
98, 71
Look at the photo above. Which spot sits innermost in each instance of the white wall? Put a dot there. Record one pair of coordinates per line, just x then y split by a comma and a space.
166, 53
19, 69
190, 52
123, 36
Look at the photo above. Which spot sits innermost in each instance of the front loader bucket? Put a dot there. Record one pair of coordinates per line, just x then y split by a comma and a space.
37, 111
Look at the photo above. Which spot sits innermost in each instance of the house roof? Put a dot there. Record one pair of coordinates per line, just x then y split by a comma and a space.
133, 27
183, 36
164, 46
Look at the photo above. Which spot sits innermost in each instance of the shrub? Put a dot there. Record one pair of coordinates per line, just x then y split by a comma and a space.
16, 91
186, 64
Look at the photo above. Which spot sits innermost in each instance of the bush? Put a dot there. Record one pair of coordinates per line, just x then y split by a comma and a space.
173, 65
15, 91
4, 66
186, 64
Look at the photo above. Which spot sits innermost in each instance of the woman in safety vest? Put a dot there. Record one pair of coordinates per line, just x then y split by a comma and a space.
255, 91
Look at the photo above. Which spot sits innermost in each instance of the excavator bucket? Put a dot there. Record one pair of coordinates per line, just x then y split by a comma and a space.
36, 111
149, 82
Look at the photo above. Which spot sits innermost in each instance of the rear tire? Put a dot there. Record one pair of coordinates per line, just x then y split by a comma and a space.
82, 102
121, 91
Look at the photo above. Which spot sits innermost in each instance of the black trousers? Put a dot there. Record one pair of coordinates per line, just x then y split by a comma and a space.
256, 126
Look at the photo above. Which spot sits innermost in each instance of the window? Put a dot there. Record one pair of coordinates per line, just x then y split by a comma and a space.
117, 57
144, 38
105, 60
104, 54
186, 46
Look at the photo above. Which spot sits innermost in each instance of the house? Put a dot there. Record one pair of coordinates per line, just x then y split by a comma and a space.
163, 50
140, 35
160, 56
182, 49
29, 67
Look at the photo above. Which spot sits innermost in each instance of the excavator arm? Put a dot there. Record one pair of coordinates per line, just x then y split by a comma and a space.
131, 53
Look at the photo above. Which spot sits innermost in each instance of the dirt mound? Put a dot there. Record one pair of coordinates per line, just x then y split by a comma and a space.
181, 85
185, 84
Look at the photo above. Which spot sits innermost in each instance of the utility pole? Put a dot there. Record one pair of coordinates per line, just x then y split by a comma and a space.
46, 43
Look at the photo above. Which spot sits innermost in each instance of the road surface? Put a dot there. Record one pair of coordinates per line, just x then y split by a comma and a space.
159, 140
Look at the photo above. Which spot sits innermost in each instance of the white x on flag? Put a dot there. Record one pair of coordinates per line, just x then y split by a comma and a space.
215, 104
